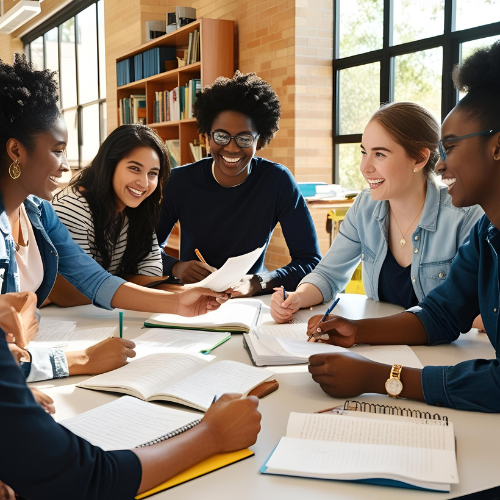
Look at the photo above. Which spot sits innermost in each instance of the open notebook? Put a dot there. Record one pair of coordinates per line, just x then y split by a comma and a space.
130, 423
382, 449
234, 316
181, 378
287, 345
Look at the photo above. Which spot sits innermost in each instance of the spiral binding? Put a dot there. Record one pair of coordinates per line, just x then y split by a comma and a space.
392, 410
171, 434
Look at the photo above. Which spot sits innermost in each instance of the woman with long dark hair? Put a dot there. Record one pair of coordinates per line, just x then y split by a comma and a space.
112, 209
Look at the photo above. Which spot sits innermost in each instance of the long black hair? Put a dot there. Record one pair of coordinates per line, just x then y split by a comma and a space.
95, 183
28, 104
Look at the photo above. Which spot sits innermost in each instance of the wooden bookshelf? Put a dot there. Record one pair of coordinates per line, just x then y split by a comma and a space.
216, 59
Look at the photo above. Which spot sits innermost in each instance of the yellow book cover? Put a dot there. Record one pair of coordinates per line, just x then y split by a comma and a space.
209, 465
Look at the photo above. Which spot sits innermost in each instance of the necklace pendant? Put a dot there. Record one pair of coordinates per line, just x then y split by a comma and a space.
402, 242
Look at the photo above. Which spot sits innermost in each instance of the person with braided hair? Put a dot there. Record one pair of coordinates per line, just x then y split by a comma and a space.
229, 203
470, 166
35, 245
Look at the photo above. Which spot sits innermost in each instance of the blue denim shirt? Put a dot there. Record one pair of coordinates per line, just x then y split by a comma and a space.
61, 254
363, 236
472, 287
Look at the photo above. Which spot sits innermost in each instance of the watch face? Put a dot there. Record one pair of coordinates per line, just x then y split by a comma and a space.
393, 386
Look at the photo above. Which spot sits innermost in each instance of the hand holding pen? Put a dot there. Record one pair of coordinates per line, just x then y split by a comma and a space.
315, 335
335, 331
284, 305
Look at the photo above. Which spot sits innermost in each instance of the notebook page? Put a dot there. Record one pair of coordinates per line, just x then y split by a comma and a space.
216, 379
54, 330
333, 445
231, 272
157, 340
126, 423
233, 312
148, 375
74, 340
304, 349
288, 331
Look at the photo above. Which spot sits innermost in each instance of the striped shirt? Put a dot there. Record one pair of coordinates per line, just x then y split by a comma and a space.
74, 211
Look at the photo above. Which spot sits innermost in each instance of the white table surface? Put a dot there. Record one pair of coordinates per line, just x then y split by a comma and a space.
478, 435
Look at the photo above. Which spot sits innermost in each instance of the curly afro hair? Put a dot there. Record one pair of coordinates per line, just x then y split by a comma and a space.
28, 101
247, 94
479, 76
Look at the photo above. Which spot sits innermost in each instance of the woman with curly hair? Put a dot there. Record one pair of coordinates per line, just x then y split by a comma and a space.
229, 204
35, 245
470, 166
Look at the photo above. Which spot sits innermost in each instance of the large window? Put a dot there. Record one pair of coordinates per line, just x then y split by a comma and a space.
74, 47
399, 50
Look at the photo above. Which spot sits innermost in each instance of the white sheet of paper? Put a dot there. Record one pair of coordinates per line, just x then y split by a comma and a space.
191, 341
54, 330
231, 272
126, 423
69, 339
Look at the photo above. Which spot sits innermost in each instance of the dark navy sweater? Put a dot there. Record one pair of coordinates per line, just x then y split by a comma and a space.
42, 460
226, 222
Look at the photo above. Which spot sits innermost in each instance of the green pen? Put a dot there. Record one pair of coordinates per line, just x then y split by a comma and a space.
121, 323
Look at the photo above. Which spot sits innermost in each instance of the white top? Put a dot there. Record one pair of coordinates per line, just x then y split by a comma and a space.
28, 258
74, 211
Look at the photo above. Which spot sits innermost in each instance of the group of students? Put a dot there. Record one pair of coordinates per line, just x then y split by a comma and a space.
429, 248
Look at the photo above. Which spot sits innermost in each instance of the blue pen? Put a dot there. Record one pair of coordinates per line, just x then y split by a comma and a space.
284, 293
328, 311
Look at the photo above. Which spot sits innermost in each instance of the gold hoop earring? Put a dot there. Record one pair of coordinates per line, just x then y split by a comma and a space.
15, 169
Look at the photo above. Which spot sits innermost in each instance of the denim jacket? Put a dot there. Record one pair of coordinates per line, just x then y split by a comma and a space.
61, 254
472, 287
363, 236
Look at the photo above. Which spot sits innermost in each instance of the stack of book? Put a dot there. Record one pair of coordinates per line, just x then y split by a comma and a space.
132, 110
176, 104
125, 72
153, 60
193, 54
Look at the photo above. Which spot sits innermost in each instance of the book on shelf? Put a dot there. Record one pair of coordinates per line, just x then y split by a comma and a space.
173, 150
274, 345
186, 379
176, 104
125, 72
133, 109
397, 448
234, 316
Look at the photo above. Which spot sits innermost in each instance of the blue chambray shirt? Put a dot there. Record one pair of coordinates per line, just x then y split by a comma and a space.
61, 254
472, 287
363, 236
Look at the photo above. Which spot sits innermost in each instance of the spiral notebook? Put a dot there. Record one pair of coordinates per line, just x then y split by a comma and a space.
362, 442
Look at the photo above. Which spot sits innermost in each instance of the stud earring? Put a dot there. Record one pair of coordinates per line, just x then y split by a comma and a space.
15, 169
415, 170
496, 157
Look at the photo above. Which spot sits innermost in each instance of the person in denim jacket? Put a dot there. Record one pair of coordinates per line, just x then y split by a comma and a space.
470, 166
35, 245
404, 228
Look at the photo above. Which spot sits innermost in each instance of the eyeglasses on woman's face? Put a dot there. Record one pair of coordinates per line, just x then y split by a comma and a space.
442, 150
243, 140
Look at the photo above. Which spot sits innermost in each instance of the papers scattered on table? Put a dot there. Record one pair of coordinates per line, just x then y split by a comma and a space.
231, 272
188, 341
64, 335
234, 316
287, 345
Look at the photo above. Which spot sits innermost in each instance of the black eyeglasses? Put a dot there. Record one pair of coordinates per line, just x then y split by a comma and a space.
242, 140
442, 151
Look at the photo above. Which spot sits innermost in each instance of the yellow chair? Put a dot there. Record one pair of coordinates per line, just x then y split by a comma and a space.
333, 221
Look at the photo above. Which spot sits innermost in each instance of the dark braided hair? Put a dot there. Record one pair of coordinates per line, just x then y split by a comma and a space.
247, 94
479, 76
28, 103
95, 183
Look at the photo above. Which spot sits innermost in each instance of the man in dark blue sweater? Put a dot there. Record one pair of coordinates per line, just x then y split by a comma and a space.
229, 204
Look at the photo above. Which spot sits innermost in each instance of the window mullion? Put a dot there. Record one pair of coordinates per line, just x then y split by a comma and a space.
451, 49
385, 61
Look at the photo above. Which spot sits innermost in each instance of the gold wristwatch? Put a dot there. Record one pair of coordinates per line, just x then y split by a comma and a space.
393, 384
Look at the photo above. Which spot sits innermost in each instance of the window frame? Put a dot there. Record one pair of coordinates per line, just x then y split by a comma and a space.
72, 11
450, 41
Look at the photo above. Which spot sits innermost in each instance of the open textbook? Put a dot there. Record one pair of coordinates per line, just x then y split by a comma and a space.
374, 448
287, 345
233, 316
180, 378
231, 272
